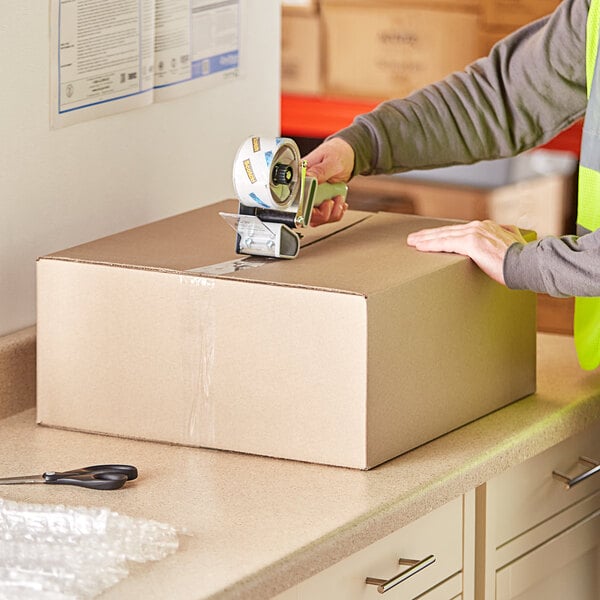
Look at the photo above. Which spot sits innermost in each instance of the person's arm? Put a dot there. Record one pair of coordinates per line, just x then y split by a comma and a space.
529, 88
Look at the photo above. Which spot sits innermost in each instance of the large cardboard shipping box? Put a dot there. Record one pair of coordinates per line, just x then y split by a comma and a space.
379, 50
301, 55
355, 352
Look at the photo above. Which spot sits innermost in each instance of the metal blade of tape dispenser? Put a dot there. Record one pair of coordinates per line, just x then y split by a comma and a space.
259, 238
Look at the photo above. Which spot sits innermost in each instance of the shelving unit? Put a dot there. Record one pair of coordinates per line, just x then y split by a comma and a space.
320, 116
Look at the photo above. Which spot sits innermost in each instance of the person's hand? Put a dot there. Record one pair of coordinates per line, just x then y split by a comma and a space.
332, 161
485, 242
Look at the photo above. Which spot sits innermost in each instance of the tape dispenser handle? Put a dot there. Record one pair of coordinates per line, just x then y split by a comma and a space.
327, 191
313, 194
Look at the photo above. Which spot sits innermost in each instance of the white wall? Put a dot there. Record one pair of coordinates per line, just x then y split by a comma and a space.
63, 187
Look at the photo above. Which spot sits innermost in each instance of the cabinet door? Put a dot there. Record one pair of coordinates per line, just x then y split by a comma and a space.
567, 566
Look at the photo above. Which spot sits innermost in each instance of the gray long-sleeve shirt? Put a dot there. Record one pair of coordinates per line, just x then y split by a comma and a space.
530, 87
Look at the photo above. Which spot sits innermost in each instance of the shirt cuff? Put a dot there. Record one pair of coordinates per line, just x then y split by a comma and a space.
521, 268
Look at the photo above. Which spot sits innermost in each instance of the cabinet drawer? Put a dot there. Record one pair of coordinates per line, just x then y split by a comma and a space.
528, 494
439, 534
449, 590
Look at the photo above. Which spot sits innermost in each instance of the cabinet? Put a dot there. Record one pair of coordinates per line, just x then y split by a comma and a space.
435, 540
534, 537
520, 536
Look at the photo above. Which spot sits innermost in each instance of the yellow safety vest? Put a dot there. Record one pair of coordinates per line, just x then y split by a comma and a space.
587, 309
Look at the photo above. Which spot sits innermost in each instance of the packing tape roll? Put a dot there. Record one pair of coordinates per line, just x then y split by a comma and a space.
266, 172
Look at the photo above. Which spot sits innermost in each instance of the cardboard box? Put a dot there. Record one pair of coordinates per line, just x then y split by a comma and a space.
300, 6
301, 57
515, 13
355, 352
535, 190
378, 50
462, 5
489, 37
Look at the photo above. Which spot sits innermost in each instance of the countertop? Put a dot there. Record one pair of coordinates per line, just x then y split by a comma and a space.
256, 526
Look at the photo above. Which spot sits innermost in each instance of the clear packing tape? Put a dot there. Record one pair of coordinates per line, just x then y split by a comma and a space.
52, 552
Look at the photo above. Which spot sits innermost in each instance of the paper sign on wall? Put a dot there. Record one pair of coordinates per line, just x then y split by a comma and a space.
108, 56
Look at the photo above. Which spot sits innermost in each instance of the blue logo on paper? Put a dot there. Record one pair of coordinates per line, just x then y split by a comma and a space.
268, 157
258, 200
228, 61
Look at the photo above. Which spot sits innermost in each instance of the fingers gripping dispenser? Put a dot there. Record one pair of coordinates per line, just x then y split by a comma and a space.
276, 197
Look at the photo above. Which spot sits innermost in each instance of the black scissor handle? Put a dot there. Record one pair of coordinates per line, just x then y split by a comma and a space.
99, 477
129, 470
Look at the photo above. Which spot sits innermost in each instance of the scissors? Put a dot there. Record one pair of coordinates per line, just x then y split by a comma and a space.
97, 477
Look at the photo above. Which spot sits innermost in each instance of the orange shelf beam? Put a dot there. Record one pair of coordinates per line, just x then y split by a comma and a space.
569, 140
320, 116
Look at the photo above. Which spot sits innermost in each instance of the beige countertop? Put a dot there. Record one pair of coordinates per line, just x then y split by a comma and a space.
259, 525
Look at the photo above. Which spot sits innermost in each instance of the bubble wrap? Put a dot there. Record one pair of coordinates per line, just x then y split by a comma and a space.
52, 552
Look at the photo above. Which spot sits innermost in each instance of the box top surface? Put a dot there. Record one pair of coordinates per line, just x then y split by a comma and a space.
363, 254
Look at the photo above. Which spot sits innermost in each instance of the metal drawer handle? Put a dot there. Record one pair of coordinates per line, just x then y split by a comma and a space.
568, 482
384, 585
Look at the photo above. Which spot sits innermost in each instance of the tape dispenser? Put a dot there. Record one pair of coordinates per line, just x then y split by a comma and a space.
276, 197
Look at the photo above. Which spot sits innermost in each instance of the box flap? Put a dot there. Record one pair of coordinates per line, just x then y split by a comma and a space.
180, 243
368, 257
362, 254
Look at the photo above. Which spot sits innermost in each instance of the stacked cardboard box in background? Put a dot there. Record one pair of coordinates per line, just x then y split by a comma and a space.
301, 49
388, 48
501, 17
510, 14
300, 5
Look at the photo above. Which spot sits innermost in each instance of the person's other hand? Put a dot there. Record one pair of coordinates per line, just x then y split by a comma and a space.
485, 242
